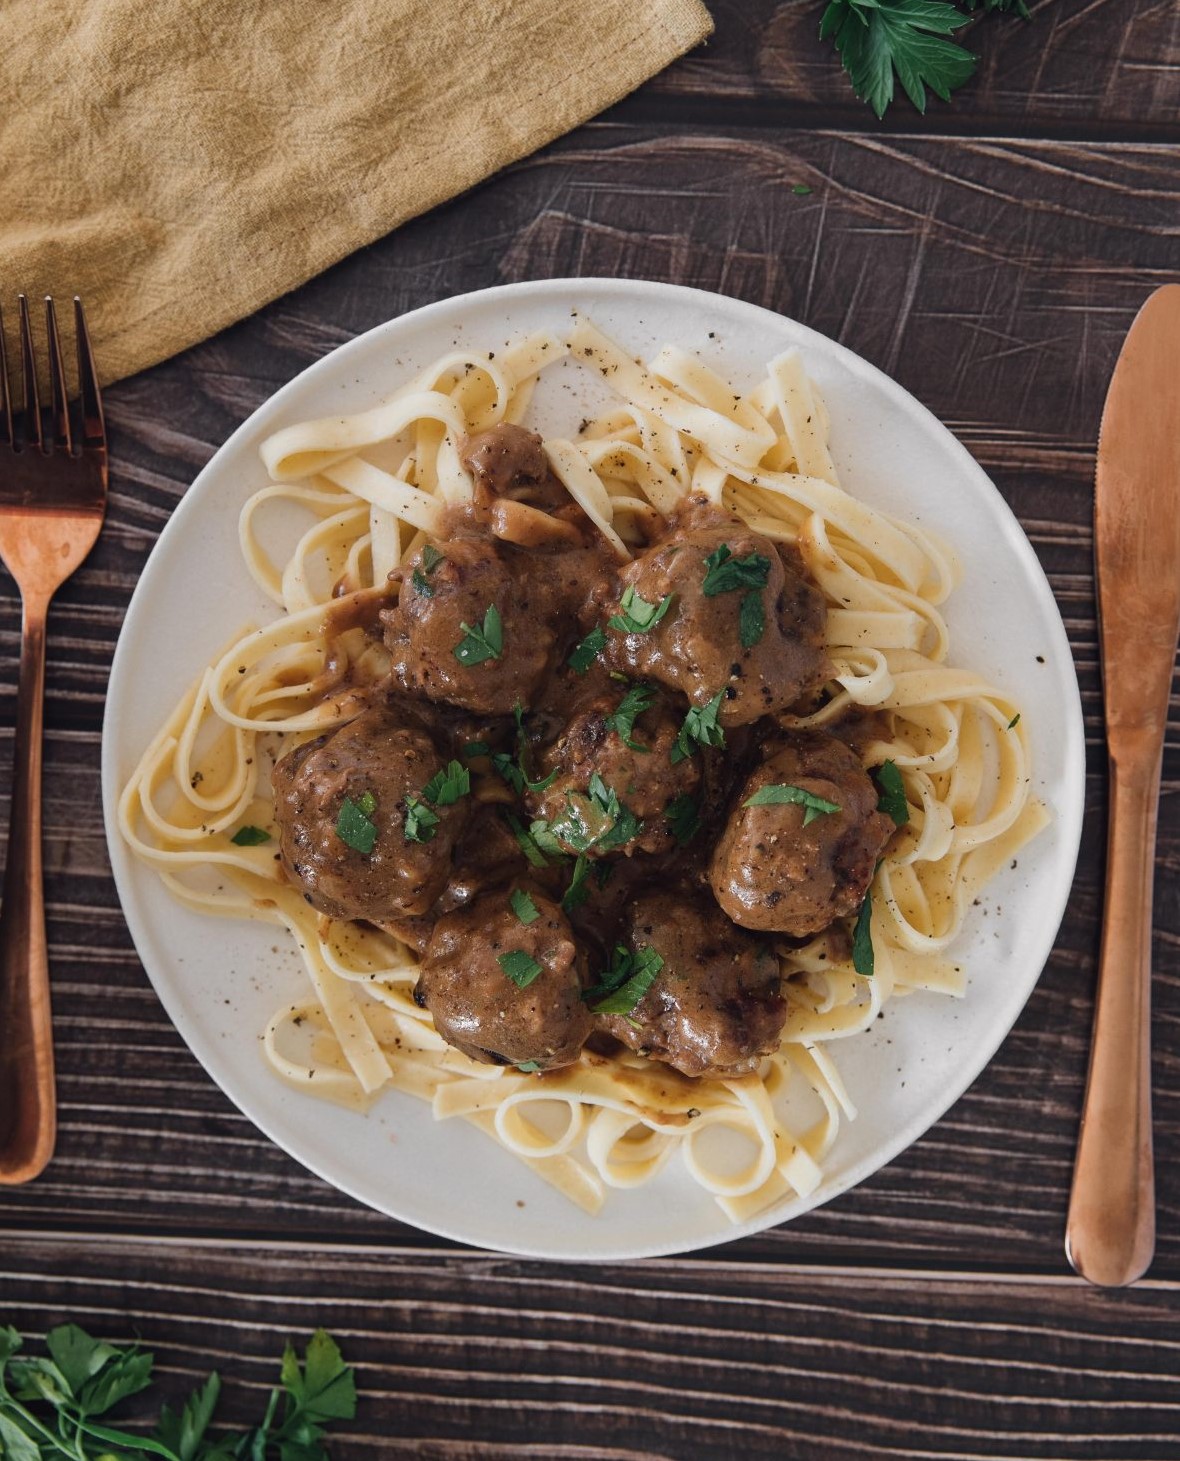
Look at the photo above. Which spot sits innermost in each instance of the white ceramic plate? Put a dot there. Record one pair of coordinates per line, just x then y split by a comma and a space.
219, 981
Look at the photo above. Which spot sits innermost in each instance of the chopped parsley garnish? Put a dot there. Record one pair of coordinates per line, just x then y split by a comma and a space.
595, 818
891, 798
801, 190
751, 619
638, 699
353, 824
700, 728
778, 796
515, 770
684, 818
524, 907
579, 888
421, 823
484, 643
587, 651
367, 803
637, 616
627, 980
876, 38
527, 842
474, 749
862, 939
520, 967
1015, 721
250, 837
446, 787
528, 1067
543, 835
726, 573
420, 578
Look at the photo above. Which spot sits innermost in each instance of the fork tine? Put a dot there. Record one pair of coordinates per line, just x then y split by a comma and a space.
5, 396
94, 431
60, 412
28, 361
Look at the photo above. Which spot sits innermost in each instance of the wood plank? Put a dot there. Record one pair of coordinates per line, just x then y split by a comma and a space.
479, 1357
994, 280
1086, 68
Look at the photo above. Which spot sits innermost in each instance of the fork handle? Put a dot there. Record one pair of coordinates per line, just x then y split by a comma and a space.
1110, 1233
28, 1111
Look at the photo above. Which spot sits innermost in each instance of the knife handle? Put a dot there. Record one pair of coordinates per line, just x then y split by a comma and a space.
1110, 1233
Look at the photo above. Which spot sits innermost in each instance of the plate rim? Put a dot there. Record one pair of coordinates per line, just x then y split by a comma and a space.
1068, 814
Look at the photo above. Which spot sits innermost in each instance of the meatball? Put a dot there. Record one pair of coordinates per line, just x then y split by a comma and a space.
774, 869
697, 647
479, 1006
377, 756
714, 1008
506, 460
641, 775
473, 576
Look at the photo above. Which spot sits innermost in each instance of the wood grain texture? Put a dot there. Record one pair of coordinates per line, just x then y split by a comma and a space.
927, 1313
1077, 68
465, 1357
995, 281
992, 279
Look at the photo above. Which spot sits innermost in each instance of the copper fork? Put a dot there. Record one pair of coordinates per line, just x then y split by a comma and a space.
53, 493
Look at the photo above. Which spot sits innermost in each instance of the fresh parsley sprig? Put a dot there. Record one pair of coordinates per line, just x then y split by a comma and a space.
863, 958
878, 39
891, 797
421, 576
482, 643
631, 974
724, 573
778, 796
700, 728
636, 615
587, 650
520, 967
683, 814
638, 699
354, 823
49, 1406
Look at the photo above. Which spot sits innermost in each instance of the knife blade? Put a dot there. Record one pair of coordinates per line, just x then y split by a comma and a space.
1110, 1232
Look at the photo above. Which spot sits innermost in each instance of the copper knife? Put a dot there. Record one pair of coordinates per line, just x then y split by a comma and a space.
1110, 1233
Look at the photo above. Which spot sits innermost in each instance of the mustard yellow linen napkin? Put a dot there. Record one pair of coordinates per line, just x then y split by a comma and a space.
179, 163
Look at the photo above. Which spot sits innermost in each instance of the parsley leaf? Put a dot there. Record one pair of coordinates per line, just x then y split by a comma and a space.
684, 818
527, 842
250, 837
579, 886
595, 819
726, 573
638, 699
751, 619
623, 985
520, 967
876, 38
473, 750
862, 939
483, 643
446, 787
700, 728
524, 907
421, 823
1015, 721
420, 577
354, 827
85, 1378
637, 616
777, 796
892, 798
587, 651
1017, 7
528, 1067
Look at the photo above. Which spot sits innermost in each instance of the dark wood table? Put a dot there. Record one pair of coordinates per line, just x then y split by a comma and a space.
990, 257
